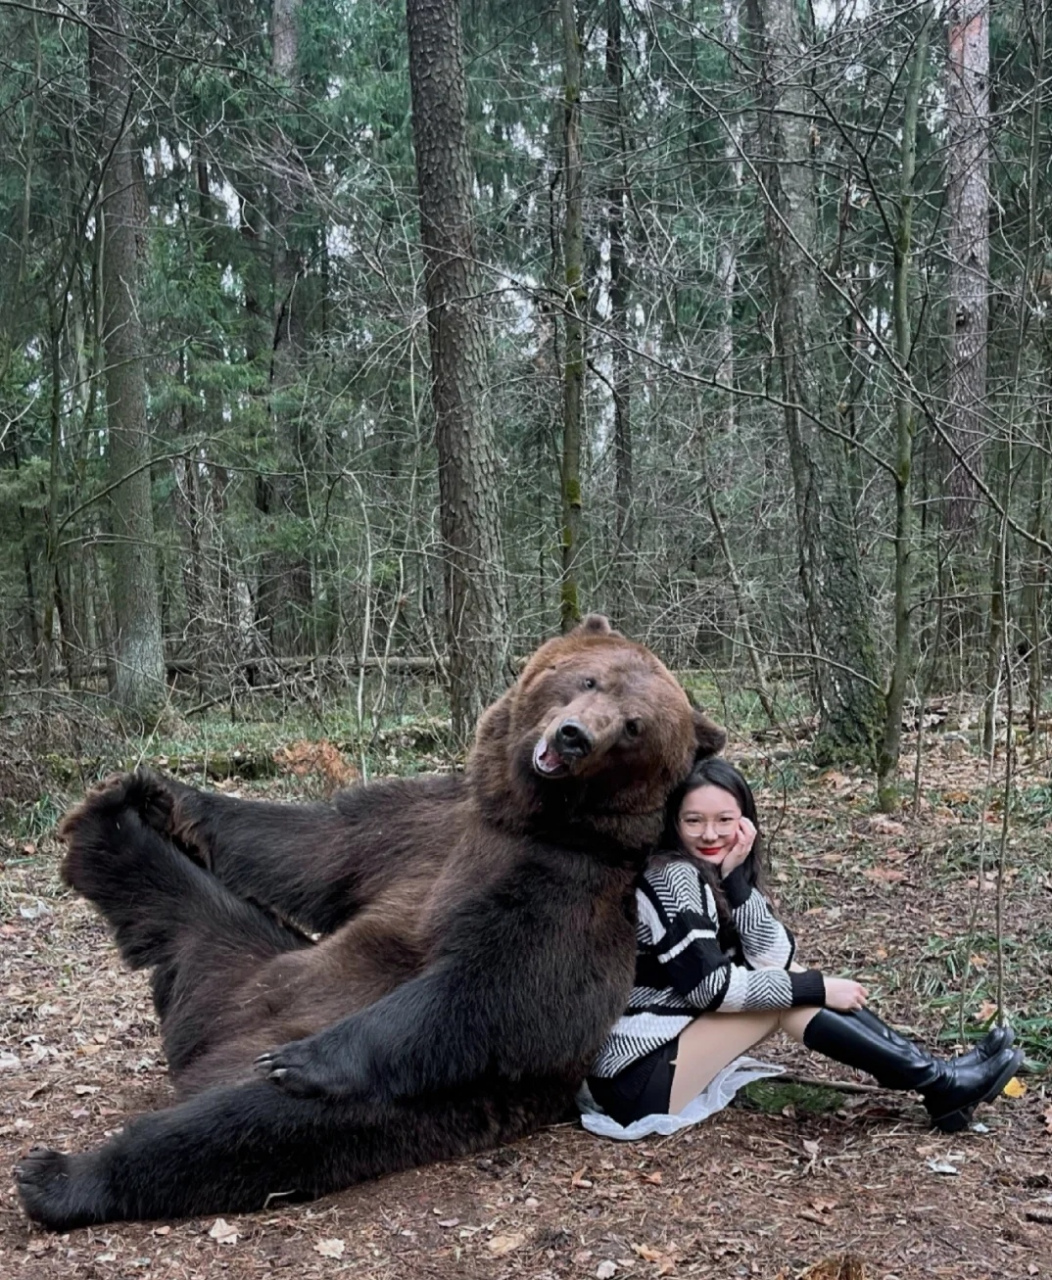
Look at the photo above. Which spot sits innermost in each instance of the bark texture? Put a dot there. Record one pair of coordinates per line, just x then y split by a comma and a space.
968, 211
620, 301
835, 595
902, 665
476, 608
139, 686
285, 596
573, 305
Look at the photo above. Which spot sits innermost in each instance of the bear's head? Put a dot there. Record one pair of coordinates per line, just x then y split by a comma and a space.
591, 738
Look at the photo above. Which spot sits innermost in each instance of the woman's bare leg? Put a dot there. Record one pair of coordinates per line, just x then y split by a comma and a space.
714, 1040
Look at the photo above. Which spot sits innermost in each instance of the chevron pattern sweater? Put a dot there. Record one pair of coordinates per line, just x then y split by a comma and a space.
681, 970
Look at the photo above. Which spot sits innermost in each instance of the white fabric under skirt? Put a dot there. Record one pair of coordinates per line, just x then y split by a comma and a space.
716, 1095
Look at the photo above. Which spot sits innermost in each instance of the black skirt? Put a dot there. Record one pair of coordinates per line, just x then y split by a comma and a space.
643, 1089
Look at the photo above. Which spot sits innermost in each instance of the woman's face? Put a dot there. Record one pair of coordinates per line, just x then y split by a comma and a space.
708, 823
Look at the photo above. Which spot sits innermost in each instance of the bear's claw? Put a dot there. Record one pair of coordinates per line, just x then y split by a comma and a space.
294, 1070
310, 1069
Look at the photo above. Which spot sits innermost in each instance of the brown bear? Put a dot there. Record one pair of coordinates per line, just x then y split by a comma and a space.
478, 942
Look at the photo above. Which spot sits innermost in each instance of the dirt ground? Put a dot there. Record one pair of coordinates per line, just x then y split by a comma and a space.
861, 1192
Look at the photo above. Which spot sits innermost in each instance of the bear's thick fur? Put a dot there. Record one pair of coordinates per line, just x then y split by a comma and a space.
479, 943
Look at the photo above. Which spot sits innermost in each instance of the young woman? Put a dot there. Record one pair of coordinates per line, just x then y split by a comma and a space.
715, 976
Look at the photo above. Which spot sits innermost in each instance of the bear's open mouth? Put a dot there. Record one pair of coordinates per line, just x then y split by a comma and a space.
548, 762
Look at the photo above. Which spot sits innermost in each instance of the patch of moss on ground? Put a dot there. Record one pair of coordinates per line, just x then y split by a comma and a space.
771, 1097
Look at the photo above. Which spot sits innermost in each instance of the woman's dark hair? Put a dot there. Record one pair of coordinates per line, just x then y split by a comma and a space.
716, 772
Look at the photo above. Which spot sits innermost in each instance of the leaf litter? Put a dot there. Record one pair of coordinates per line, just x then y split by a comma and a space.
840, 1195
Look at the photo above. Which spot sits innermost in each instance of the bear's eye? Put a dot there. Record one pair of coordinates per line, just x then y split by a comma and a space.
633, 728
589, 682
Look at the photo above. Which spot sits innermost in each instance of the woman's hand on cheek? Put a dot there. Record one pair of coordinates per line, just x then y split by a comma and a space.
740, 849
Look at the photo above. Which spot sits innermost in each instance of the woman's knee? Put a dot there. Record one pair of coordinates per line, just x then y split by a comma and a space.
794, 1021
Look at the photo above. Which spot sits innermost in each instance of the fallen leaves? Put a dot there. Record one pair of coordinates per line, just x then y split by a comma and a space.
330, 1248
321, 758
620, 1198
881, 825
838, 1266
664, 1260
818, 1210
884, 875
499, 1246
811, 1147
224, 1232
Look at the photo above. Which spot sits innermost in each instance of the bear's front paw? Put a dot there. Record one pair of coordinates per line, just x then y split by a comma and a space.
305, 1069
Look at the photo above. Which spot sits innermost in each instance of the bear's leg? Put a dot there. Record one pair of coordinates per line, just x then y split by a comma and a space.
171, 915
292, 858
150, 894
242, 1148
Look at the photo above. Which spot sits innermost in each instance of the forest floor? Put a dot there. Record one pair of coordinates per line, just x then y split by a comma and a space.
820, 1185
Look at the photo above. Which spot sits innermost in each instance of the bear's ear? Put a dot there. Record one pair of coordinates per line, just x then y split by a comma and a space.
709, 738
595, 624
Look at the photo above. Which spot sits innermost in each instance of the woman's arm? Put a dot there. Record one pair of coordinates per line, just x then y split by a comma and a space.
766, 943
679, 913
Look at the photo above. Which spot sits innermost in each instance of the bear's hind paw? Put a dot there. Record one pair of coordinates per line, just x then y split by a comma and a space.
48, 1189
142, 791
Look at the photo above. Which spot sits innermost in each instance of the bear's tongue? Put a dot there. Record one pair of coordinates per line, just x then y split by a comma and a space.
547, 760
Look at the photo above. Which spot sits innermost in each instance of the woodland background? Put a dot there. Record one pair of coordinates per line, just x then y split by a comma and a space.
332, 359
348, 350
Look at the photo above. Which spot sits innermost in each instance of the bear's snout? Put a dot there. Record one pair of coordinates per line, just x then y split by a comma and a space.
572, 739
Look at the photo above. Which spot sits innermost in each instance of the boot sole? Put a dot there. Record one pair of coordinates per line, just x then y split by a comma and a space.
955, 1121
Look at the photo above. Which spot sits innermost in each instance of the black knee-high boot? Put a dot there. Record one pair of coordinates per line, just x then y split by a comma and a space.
997, 1038
950, 1089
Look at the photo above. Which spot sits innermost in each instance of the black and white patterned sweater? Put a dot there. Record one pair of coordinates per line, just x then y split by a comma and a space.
682, 971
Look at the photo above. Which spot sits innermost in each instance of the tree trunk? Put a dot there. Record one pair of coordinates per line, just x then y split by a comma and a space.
573, 311
139, 661
285, 598
836, 598
902, 659
727, 252
620, 354
476, 609
968, 212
